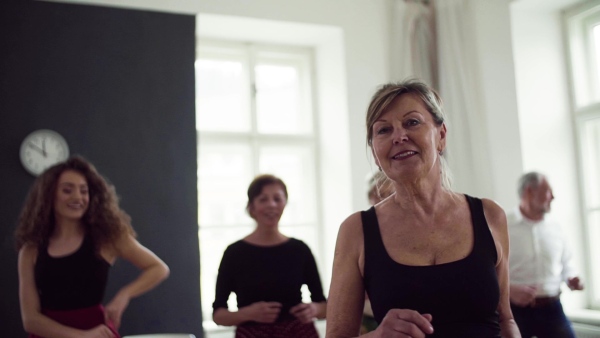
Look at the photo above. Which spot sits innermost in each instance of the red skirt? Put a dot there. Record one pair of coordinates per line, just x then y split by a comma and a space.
83, 319
285, 329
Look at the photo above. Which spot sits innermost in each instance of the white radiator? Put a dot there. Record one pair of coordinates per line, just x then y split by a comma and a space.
586, 331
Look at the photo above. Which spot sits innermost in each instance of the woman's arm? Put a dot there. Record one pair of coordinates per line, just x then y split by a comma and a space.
306, 312
154, 271
263, 312
33, 320
346, 293
496, 219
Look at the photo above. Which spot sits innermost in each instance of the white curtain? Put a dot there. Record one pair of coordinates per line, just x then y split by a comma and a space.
413, 45
433, 41
468, 149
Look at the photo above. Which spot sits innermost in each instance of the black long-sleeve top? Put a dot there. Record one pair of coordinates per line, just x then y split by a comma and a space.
270, 274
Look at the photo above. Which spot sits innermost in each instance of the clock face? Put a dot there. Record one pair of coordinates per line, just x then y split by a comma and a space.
42, 149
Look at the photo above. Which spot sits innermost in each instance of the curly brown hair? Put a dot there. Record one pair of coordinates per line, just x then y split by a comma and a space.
104, 221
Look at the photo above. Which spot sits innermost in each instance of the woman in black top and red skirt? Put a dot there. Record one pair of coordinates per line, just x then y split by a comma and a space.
433, 262
266, 270
71, 230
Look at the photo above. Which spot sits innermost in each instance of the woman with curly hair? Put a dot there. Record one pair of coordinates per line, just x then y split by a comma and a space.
71, 231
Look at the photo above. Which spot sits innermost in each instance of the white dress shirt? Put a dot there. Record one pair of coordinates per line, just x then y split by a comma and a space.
538, 254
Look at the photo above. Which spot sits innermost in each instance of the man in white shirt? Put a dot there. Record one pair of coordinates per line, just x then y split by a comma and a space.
539, 262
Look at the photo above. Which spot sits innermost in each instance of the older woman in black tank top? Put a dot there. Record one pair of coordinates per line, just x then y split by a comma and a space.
433, 262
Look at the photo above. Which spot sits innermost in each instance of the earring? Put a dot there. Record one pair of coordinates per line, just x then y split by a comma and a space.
379, 168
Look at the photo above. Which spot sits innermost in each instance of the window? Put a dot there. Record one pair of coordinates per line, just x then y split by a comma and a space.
583, 26
254, 115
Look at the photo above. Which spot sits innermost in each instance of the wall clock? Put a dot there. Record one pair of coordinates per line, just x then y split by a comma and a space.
42, 149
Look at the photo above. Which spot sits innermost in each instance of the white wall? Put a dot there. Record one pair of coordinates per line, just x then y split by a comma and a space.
548, 143
497, 79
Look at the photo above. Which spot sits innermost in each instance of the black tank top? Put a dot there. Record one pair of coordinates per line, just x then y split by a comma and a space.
462, 296
71, 282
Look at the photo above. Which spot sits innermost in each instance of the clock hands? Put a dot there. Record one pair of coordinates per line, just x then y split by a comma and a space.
44, 146
36, 147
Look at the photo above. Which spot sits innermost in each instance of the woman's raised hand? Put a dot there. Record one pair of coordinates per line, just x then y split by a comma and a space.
404, 323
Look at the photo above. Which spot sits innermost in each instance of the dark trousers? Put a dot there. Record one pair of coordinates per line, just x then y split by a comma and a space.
548, 321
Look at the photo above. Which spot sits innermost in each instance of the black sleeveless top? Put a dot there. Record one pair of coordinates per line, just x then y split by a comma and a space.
71, 282
462, 296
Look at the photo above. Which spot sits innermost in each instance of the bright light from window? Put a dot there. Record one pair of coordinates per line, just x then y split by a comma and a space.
591, 161
241, 136
596, 33
278, 100
221, 96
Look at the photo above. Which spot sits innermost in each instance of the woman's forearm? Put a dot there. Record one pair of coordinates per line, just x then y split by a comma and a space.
41, 325
146, 281
225, 317
509, 329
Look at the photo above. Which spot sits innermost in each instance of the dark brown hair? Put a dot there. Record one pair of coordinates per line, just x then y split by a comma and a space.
104, 221
259, 182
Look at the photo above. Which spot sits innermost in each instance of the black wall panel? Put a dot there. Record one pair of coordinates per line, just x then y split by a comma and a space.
119, 86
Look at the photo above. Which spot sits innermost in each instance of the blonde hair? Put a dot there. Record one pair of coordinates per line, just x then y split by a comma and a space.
384, 96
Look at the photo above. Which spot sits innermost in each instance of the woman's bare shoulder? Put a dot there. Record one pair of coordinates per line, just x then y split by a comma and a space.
494, 214
28, 252
352, 223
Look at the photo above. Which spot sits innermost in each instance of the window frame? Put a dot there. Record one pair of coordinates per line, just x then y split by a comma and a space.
585, 106
257, 140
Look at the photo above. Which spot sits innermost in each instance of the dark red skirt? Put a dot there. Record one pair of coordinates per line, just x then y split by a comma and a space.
83, 319
285, 329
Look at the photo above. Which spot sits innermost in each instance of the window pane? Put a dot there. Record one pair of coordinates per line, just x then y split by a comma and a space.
591, 161
596, 34
594, 235
279, 107
295, 165
222, 102
213, 243
224, 172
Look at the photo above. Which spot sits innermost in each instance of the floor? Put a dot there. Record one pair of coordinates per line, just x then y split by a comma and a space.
228, 332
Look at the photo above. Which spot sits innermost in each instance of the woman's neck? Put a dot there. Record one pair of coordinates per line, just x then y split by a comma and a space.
262, 236
68, 228
420, 195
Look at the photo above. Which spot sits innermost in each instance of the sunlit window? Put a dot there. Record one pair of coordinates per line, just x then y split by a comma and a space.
254, 116
590, 145
596, 40
583, 31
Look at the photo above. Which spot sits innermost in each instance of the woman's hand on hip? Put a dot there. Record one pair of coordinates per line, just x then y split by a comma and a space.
115, 309
404, 323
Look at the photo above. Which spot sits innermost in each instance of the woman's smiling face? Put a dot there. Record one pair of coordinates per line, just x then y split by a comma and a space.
267, 207
406, 140
72, 196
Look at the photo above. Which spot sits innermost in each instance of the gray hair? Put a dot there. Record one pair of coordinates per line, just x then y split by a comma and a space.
382, 99
530, 179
